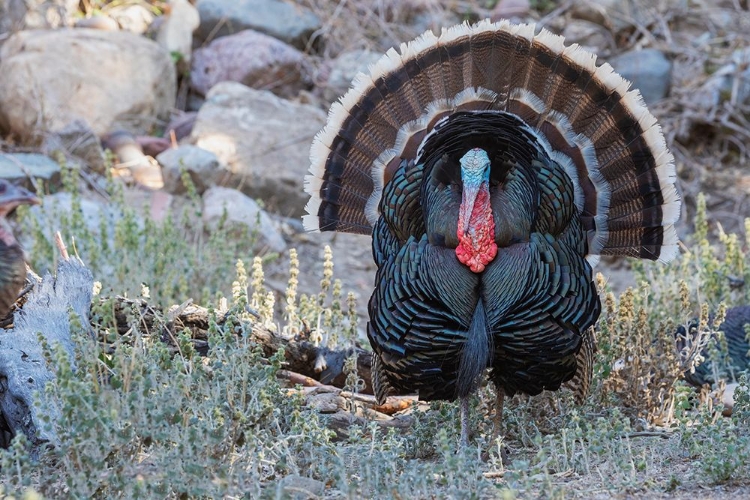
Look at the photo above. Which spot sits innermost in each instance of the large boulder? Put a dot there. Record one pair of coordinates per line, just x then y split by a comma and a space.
292, 24
254, 59
263, 140
51, 78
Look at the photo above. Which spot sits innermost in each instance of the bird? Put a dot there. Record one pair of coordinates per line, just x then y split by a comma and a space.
12, 256
737, 347
492, 165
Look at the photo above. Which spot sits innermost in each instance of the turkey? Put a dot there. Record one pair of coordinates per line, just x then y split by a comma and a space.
492, 166
737, 348
12, 259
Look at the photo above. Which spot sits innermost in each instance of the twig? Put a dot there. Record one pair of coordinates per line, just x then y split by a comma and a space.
61, 246
663, 435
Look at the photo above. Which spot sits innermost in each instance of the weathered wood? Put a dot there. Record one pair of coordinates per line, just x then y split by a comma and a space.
302, 356
24, 371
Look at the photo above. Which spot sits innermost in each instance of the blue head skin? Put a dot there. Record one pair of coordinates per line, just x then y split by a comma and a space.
475, 171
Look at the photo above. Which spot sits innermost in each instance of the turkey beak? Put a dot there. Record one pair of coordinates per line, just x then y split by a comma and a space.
11, 196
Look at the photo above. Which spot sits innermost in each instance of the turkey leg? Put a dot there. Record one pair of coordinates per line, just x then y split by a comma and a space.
464, 422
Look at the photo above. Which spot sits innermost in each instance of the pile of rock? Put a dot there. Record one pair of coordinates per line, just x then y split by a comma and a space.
230, 93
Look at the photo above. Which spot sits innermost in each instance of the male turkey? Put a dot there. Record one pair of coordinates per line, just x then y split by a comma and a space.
12, 261
737, 348
492, 167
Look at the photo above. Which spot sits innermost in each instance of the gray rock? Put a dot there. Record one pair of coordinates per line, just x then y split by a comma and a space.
16, 15
175, 33
509, 9
649, 70
54, 205
253, 59
202, 166
51, 78
283, 20
24, 167
302, 488
76, 139
343, 70
134, 18
263, 140
241, 209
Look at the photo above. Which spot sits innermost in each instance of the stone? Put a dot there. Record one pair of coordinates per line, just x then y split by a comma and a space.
289, 23
202, 166
101, 22
134, 18
508, 9
243, 210
649, 70
343, 70
297, 487
175, 33
263, 140
56, 205
181, 125
51, 78
17, 15
23, 168
253, 59
78, 140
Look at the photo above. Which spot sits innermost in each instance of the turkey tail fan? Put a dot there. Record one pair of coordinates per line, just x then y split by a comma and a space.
584, 115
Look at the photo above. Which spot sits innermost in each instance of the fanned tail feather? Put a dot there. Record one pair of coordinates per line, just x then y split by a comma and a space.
585, 116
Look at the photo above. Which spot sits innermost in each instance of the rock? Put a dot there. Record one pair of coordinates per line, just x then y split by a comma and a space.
289, 23
727, 398
77, 139
101, 22
253, 59
507, 9
182, 124
23, 168
264, 141
202, 166
51, 78
343, 70
129, 152
175, 32
590, 36
18, 15
134, 18
649, 70
302, 488
240, 209
56, 205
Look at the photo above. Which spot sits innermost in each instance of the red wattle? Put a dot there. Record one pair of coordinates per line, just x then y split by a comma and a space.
476, 247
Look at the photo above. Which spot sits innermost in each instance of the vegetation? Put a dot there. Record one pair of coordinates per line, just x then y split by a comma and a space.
139, 421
